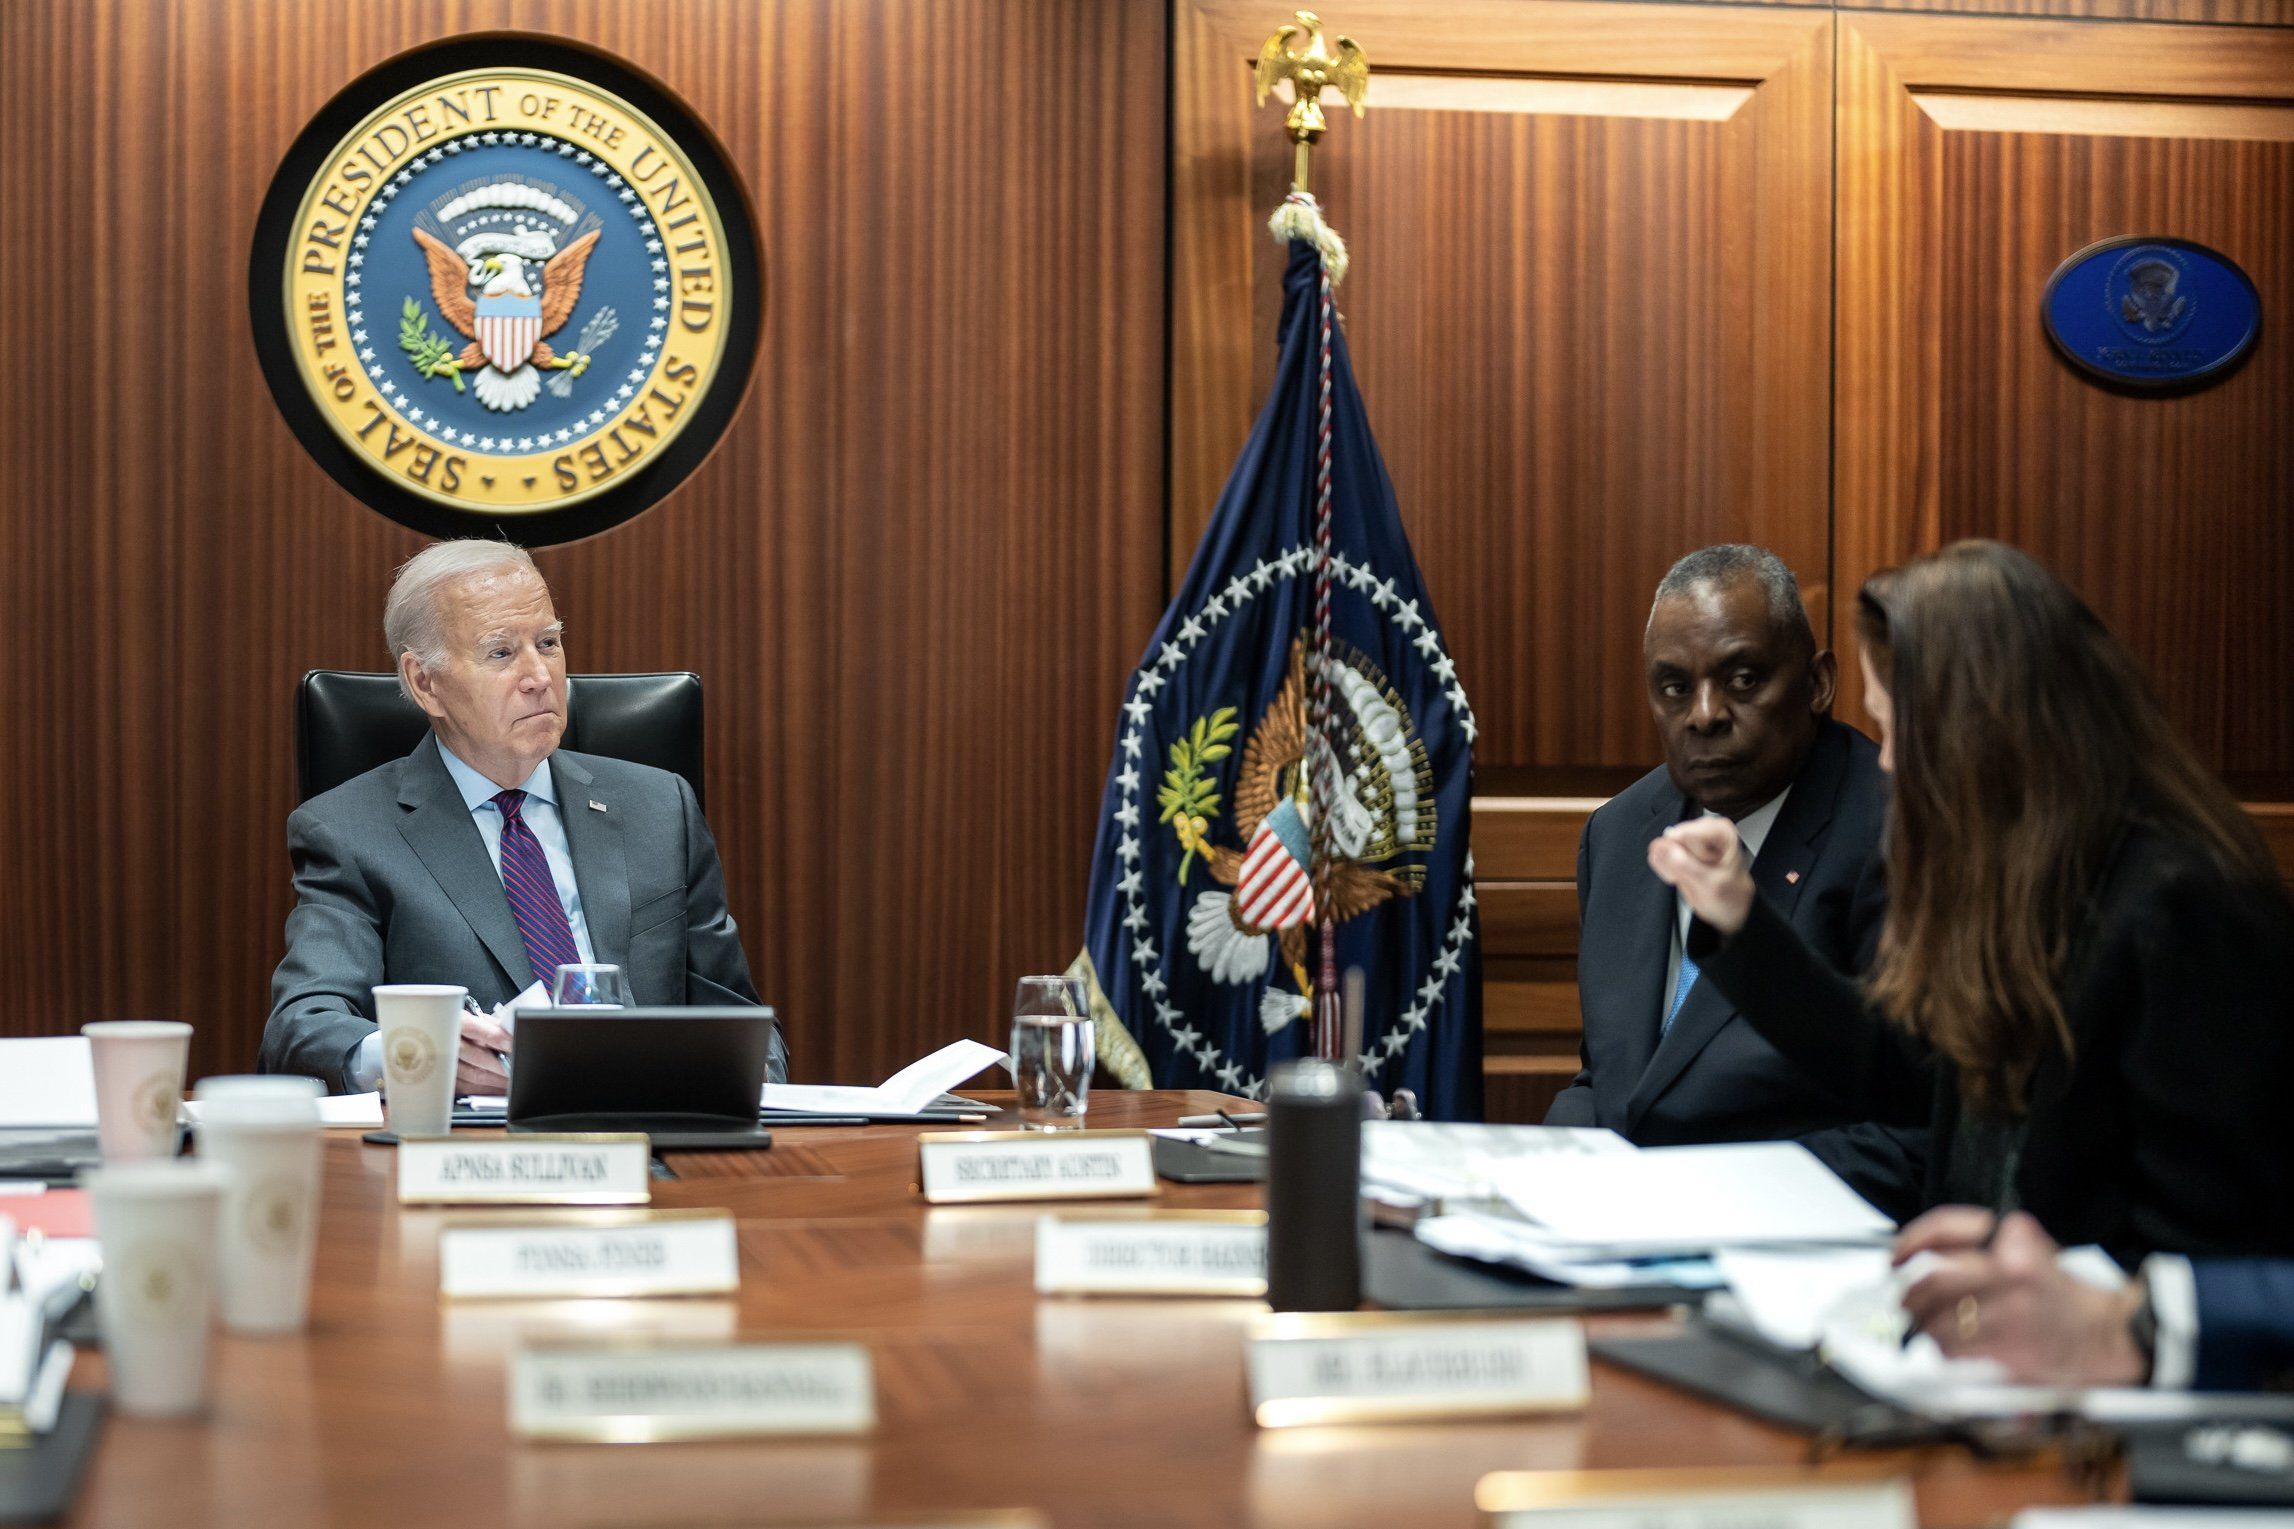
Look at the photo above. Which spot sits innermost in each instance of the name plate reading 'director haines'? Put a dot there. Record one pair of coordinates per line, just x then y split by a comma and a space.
1347, 1367
1168, 1253
594, 1169
647, 1393
1697, 1499
959, 1166
594, 1253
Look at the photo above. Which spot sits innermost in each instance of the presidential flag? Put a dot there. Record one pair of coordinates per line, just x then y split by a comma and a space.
1202, 927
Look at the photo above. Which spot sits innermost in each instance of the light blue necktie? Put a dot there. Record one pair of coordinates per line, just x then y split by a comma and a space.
1680, 993
1688, 973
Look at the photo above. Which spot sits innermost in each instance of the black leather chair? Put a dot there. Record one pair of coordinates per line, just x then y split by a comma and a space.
346, 723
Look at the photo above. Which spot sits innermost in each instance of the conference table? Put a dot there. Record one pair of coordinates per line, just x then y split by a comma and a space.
391, 1408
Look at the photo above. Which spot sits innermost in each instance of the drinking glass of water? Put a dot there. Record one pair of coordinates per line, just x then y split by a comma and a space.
596, 985
1051, 1053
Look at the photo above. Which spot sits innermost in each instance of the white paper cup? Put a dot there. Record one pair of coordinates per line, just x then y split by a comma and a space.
156, 1300
421, 1026
263, 1134
139, 1083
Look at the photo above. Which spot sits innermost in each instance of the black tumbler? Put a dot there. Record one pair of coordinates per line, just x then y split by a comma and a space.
1314, 1187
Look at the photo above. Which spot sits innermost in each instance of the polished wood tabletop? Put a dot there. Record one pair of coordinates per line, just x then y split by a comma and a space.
392, 1408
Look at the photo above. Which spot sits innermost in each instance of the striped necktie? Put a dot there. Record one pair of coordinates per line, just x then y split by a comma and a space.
533, 893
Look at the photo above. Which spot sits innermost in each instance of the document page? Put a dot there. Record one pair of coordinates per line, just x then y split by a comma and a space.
907, 1091
1692, 1199
47, 1081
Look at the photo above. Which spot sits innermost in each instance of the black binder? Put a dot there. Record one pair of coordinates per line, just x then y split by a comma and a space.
39, 1480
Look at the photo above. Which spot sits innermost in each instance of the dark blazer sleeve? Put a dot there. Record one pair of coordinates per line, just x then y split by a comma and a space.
2245, 1324
2204, 1064
1573, 1106
1808, 1011
334, 959
716, 967
1886, 1164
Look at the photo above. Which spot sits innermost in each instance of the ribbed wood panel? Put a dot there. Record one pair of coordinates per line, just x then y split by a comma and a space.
912, 576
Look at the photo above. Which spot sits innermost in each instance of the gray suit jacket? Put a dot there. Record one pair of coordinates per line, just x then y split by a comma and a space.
393, 884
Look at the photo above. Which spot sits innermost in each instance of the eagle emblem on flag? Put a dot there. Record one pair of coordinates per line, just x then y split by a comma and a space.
1384, 813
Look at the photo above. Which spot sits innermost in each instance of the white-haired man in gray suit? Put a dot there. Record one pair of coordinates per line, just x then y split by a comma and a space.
488, 857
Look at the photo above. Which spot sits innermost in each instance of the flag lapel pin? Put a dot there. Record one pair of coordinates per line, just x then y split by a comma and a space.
597, 806
1792, 878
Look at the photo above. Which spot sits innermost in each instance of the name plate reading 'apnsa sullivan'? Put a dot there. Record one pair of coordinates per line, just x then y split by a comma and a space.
1036, 1165
1166, 1253
646, 1393
1347, 1367
598, 1253
599, 1169
1696, 1499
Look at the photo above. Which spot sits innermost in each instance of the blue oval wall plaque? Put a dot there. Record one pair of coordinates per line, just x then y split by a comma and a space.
2152, 313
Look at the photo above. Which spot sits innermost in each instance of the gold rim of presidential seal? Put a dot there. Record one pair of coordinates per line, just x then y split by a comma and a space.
443, 462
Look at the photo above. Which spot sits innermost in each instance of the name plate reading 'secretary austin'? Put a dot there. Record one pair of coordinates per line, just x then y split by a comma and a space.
592, 1169
1360, 1367
1115, 1252
651, 1392
1824, 1497
960, 1166
591, 1253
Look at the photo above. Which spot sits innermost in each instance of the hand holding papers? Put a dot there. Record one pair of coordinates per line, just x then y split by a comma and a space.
906, 1092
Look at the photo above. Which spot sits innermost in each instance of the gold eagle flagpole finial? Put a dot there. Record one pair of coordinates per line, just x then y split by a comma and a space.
1311, 68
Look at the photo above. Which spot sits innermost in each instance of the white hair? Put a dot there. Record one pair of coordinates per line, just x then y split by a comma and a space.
414, 617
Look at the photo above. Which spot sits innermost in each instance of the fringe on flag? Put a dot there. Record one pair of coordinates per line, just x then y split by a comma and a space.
1300, 217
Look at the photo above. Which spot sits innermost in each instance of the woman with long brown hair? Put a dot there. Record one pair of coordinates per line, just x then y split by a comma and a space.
2082, 984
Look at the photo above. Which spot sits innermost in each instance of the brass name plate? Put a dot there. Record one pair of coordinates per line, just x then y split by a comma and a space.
595, 1169
598, 1253
648, 1393
1823, 1498
1355, 1367
1216, 1253
965, 1166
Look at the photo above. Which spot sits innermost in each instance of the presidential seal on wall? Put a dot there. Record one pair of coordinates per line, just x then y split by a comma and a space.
2152, 314
505, 283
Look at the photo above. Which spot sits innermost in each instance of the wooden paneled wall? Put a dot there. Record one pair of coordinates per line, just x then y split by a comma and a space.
912, 576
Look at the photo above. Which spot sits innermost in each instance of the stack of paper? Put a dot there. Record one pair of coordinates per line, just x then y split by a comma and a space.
1693, 1200
1461, 1164
906, 1092
1610, 1217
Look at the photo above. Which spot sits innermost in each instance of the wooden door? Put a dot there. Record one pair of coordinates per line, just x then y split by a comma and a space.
1975, 155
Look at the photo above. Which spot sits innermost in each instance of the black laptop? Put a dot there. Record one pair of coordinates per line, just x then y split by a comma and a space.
685, 1077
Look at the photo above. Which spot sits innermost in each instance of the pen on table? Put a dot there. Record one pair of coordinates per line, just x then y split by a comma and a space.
1236, 1122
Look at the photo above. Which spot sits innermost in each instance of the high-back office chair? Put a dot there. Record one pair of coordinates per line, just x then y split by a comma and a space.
346, 723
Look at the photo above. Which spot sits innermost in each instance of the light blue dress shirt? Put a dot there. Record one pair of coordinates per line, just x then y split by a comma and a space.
542, 816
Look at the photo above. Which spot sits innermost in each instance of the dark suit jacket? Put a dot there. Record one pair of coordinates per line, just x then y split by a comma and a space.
393, 884
1713, 1077
2245, 1324
2167, 1128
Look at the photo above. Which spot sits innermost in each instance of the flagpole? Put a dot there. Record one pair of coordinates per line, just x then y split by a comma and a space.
1309, 69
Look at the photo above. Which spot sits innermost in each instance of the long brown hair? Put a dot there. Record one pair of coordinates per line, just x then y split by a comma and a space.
2026, 740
